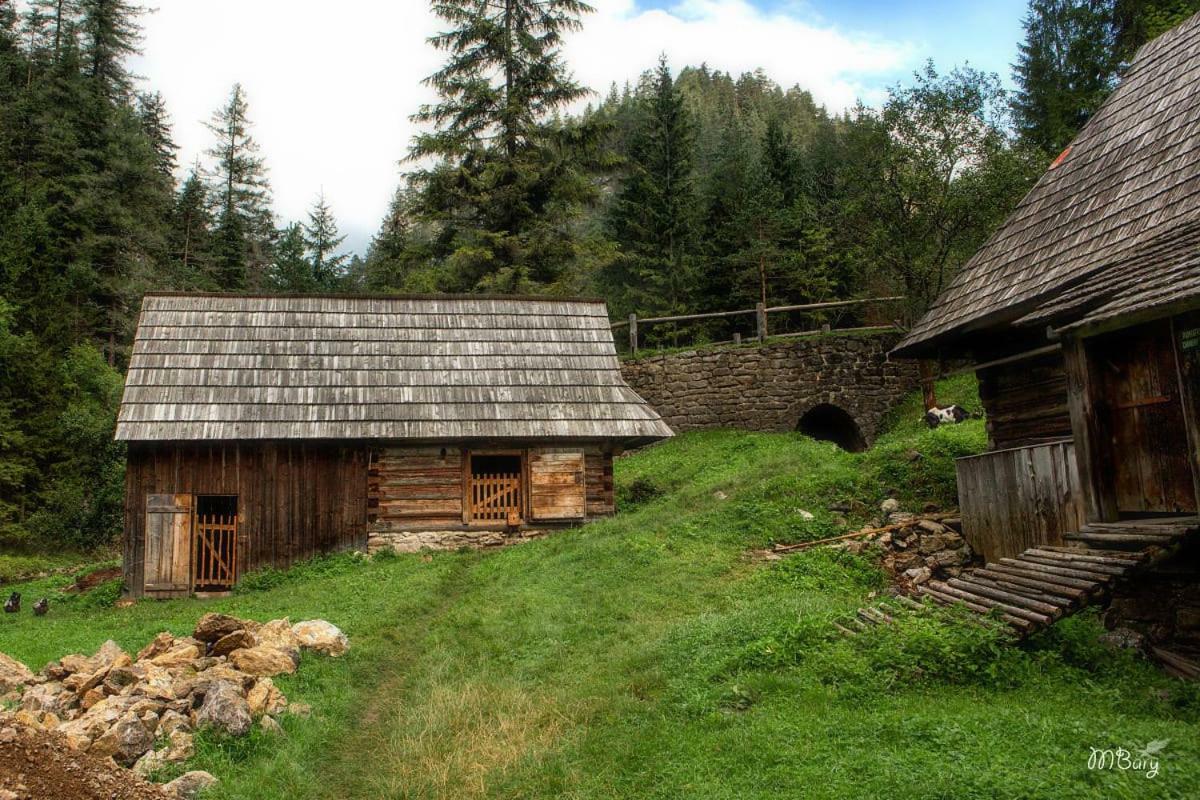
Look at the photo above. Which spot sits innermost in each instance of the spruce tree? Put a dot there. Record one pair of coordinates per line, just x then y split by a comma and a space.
1136, 22
291, 269
1066, 67
654, 217
190, 236
244, 228
322, 241
507, 178
156, 124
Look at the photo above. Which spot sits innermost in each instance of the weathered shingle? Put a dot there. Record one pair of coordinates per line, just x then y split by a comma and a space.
300, 367
1131, 177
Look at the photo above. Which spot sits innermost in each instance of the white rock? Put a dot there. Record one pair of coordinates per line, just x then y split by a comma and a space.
322, 636
190, 784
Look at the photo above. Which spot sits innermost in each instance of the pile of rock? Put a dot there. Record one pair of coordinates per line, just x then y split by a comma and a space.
141, 711
917, 547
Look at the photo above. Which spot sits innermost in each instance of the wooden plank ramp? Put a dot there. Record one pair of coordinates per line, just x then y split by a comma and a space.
1046, 583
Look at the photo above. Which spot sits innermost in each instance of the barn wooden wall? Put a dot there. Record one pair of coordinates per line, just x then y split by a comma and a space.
295, 500
419, 488
1026, 402
1015, 499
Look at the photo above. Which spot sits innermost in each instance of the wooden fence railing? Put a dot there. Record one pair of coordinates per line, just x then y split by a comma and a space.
1019, 498
215, 564
495, 496
761, 313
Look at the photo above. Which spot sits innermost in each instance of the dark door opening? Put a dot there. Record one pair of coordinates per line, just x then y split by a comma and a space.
214, 554
829, 423
494, 493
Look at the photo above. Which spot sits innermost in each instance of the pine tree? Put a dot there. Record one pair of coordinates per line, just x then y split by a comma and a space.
111, 33
654, 217
508, 178
244, 221
322, 241
1066, 67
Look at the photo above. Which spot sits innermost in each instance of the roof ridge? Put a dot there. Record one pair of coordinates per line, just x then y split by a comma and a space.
375, 296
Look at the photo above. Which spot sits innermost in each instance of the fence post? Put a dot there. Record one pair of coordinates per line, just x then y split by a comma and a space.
633, 336
760, 310
737, 338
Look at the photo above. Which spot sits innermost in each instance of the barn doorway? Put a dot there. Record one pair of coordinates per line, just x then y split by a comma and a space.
828, 423
494, 488
1150, 464
214, 556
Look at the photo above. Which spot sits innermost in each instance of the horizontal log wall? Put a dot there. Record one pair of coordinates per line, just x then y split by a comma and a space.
1019, 498
421, 488
295, 500
1025, 402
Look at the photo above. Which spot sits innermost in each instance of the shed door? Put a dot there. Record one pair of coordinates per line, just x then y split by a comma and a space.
557, 486
168, 564
1150, 461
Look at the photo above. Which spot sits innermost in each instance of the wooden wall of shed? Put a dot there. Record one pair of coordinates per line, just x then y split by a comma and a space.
1025, 402
295, 500
419, 488
1019, 498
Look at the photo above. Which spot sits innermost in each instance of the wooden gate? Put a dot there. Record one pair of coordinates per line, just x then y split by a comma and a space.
495, 497
215, 559
167, 567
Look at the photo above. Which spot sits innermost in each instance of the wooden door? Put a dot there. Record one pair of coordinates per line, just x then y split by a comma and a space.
168, 565
1151, 467
557, 486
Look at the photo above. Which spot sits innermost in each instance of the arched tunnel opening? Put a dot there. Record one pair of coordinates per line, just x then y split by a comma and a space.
829, 423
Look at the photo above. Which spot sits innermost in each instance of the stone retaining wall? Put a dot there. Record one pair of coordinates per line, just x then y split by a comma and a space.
771, 387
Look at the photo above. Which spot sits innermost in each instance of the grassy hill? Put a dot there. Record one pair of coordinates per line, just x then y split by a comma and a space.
650, 656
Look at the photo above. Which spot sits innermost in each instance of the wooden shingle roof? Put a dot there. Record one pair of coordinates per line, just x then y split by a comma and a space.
1130, 178
221, 367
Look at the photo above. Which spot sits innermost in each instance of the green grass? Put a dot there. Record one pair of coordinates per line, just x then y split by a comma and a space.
20, 565
649, 656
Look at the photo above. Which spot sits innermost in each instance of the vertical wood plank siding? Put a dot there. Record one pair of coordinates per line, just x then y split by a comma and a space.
1015, 499
295, 499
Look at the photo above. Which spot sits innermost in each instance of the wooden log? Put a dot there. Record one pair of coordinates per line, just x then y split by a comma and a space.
1101, 571
1007, 579
1089, 553
1086, 586
1116, 541
982, 588
1118, 565
1055, 569
1024, 625
1007, 608
879, 615
908, 601
844, 630
1179, 666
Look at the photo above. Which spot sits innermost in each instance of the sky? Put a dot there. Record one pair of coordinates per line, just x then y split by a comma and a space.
331, 85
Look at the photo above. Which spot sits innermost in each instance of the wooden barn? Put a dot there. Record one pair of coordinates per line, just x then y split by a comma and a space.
1081, 315
263, 430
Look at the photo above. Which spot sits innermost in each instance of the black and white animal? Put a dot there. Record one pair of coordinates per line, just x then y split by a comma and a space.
13, 604
950, 415
41, 607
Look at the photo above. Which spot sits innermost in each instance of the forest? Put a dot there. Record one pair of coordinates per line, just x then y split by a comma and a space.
677, 192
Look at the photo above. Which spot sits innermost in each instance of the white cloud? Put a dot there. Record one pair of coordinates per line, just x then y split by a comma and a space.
331, 85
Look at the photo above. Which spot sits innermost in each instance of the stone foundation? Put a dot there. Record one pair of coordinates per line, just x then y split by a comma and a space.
415, 541
1162, 604
770, 387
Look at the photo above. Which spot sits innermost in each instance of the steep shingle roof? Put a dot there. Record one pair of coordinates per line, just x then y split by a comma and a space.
1131, 176
219, 367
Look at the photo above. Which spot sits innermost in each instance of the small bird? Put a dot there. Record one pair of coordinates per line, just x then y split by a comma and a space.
13, 604
41, 607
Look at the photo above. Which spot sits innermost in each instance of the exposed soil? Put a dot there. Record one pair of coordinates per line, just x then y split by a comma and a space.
94, 578
36, 765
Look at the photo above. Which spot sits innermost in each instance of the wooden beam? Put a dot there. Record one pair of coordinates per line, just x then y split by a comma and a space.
1091, 453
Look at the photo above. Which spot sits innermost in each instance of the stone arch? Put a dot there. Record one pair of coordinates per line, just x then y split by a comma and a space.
832, 423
